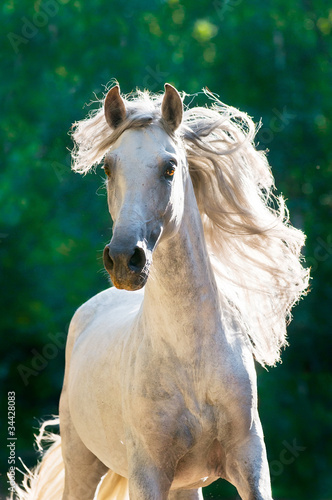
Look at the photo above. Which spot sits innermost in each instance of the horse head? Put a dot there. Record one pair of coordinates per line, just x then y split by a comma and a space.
145, 185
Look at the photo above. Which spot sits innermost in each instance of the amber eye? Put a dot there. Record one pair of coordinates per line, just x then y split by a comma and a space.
170, 170
107, 170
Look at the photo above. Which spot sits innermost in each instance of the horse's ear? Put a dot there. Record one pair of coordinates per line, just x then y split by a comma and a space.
114, 107
172, 107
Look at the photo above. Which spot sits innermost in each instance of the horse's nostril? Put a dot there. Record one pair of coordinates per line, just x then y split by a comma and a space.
108, 261
137, 260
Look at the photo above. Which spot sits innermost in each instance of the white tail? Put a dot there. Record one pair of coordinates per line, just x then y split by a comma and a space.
46, 481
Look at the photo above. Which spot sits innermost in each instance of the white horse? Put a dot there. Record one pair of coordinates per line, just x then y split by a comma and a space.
160, 390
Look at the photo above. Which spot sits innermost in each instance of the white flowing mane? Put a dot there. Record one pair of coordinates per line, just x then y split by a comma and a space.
254, 251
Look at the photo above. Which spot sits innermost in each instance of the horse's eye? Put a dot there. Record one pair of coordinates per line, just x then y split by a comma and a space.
107, 170
170, 170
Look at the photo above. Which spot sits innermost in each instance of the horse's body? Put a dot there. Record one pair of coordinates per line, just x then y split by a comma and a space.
172, 387
160, 383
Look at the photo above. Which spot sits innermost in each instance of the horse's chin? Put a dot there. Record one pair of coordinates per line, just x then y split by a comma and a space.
130, 283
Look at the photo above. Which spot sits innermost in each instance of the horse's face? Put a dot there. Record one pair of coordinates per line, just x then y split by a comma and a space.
145, 170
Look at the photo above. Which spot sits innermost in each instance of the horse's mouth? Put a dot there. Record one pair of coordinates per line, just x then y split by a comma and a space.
129, 281
128, 269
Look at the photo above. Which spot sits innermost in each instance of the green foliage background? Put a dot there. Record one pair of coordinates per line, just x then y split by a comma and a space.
271, 59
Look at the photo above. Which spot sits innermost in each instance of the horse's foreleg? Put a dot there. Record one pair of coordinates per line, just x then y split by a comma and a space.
247, 468
148, 480
83, 470
186, 495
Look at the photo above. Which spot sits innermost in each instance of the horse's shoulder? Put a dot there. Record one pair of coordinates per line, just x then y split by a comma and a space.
108, 302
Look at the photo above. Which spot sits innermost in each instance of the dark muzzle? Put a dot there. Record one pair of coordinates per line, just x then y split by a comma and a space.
128, 269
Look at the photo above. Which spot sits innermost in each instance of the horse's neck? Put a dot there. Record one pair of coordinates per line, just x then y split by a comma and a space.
181, 298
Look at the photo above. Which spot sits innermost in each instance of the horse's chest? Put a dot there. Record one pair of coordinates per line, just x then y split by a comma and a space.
170, 400
178, 425
157, 404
